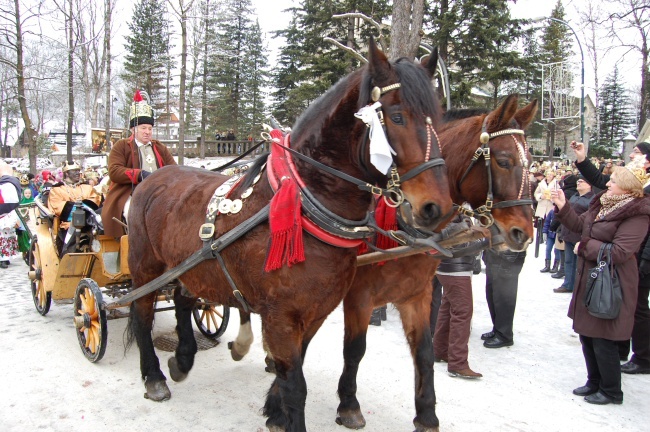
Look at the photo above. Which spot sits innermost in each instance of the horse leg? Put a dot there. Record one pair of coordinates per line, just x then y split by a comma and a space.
242, 343
140, 325
183, 360
285, 402
357, 316
415, 320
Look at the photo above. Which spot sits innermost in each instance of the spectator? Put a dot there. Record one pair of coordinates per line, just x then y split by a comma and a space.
8, 239
579, 203
455, 314
549, 240
10, 190
615, 216
501, 283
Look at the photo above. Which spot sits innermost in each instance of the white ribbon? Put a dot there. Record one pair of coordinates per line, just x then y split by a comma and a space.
380, 150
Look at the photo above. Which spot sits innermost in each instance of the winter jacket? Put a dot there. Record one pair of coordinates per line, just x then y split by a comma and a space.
460, 264
621, 228
124, 171
579, 204
547, 225
543, 197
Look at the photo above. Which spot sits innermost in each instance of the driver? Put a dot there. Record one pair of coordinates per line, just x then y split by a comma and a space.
62, 197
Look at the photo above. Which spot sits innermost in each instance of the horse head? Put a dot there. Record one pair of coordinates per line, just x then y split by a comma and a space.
496, 182
411, 113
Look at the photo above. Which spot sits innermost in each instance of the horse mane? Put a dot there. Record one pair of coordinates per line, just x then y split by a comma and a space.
250, 175
416, 93
460, 114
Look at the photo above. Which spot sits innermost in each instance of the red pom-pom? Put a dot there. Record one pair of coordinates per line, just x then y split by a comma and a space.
137, 97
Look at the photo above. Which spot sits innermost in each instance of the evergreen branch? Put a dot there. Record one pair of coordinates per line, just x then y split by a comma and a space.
346, 49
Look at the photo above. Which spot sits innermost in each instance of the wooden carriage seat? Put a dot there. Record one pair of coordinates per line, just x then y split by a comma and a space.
124, 254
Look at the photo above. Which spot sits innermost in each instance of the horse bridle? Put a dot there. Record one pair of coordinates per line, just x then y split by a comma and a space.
483, 214
394, 196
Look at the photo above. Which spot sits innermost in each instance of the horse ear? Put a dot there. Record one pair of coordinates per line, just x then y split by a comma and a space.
500, 117
430, 62
527, 114
378, 64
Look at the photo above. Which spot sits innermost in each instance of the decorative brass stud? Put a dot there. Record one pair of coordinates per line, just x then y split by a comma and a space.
485, 138
375, 94
428, 120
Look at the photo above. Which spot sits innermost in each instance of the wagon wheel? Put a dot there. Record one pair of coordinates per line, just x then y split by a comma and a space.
211, 319
90, 320
42, 299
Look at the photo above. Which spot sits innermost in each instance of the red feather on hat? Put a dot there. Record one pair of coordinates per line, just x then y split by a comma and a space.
137, 97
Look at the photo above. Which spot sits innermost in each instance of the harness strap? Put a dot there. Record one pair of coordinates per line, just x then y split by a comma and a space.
208, 251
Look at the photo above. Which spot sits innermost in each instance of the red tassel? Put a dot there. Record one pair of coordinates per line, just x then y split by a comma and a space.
286, 245
137, 97
386, 218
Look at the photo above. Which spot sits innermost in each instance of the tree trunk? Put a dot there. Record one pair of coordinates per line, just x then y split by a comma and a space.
204, 90
109, 99
181, 102
29, 134
406, 28
68, 135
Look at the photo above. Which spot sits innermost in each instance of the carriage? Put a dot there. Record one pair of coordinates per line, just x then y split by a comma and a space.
93, 277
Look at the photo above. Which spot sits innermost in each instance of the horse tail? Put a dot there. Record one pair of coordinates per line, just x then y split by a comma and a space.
129, 334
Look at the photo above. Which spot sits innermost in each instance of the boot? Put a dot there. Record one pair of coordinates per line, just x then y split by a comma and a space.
547, 267
382, 312
560, 271
556, 265
375, 318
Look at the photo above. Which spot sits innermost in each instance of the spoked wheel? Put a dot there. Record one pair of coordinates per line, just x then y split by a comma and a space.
90, 320
42, 299
211, 319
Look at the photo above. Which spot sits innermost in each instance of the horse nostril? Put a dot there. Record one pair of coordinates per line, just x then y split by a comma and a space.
431, 211
518, 235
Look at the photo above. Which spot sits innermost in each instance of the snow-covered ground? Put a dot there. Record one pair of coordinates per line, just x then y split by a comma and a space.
48, 385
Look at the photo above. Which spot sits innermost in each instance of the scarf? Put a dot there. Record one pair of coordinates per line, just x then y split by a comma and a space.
612, 202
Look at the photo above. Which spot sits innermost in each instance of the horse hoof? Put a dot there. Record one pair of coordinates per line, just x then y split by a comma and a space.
270, 365
351, 419
236, 356
174, 371
157, 391
422, 428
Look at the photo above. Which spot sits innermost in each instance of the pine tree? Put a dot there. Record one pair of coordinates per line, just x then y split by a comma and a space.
147, 49
256, 79
616, 115
480, 40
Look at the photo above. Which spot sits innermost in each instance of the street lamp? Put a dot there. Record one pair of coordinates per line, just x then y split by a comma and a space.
582, 72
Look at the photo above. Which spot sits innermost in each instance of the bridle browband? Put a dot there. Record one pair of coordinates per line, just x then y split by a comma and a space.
483, 214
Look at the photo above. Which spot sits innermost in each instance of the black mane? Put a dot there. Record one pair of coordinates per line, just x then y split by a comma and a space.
459, 114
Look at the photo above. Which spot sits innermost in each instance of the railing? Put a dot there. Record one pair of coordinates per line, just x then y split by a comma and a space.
213, 148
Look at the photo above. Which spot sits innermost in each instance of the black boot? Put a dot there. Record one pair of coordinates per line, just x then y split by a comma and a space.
560, 271
547, 267
375, 318
556, 265
382, 312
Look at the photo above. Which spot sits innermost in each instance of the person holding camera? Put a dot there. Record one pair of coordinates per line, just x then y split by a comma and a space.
615, 216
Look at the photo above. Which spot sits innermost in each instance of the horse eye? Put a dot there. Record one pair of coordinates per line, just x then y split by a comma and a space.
397, 118
503, 163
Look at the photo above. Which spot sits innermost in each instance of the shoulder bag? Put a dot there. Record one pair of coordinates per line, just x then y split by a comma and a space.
603, 297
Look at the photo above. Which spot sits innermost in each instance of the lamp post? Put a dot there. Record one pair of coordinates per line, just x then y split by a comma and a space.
582, 72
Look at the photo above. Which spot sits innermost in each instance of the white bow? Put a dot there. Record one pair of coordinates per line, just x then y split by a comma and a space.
380, 150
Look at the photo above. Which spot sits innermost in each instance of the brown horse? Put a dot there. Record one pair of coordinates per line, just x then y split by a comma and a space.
407, 282
169, 208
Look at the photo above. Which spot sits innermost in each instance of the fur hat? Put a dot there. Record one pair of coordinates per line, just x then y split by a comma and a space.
141, 111
24, 180
637, 169
67, 166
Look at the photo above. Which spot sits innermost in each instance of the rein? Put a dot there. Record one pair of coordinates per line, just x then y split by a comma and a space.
483, 214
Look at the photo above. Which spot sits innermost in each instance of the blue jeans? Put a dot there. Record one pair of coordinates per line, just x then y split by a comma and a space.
550, 242
569, 266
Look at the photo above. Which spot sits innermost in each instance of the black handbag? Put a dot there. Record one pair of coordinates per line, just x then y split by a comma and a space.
604, 296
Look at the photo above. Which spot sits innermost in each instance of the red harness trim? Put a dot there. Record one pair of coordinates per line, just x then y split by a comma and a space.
307, 224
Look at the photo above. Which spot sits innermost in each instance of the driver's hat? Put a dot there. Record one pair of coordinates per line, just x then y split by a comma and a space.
67, 166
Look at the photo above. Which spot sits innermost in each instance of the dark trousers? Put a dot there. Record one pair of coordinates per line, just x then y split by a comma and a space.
603, 366
641, 329
454, 319
502, 280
